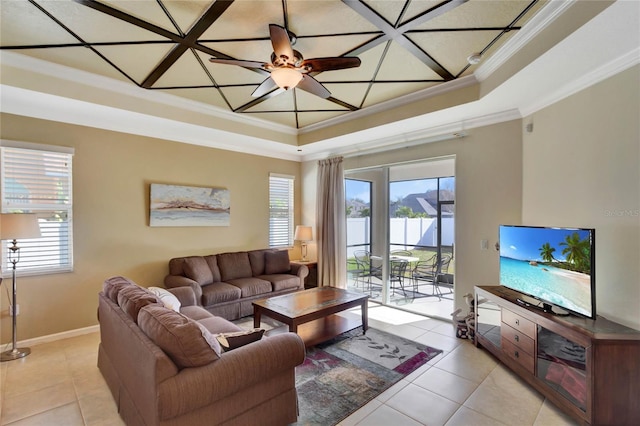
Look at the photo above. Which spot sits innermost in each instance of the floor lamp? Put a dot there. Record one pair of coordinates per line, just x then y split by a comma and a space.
15, 226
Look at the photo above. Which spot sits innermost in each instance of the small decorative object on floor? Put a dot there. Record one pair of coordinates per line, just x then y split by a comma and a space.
465, 325
341, 375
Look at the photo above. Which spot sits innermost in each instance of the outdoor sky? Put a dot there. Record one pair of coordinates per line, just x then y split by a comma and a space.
524, 243
360, 189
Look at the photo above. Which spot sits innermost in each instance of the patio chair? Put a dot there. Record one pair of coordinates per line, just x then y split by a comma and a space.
442, 271
397, 275
361, 270
425, 271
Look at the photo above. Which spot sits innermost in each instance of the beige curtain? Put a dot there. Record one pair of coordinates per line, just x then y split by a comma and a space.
331, 224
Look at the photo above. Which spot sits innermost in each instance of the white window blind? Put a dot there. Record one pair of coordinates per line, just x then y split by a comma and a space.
280, 210
40, 182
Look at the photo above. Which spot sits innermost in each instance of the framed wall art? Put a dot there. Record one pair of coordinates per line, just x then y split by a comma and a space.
173, 205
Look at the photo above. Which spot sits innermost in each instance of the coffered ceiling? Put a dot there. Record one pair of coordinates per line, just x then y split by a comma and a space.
409, 50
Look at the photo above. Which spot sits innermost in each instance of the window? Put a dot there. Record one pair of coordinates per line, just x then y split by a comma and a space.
280, 210
39, 181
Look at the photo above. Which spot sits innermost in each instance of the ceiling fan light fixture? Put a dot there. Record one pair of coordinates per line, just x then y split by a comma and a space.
286, 78
474, 58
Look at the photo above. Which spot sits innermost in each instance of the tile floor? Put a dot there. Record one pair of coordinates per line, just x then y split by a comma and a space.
59, 384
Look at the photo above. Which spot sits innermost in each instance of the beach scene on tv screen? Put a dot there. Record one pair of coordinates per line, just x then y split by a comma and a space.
549, 263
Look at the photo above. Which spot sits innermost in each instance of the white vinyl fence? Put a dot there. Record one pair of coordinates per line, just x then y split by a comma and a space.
403, 231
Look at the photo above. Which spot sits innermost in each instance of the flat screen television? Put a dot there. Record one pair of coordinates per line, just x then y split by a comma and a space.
555, 266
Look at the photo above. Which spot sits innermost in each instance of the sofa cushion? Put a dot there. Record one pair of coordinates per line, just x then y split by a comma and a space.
216, 325
252, 286
184, 340
219, 293
112, 286
168, 299
212, 261
133, 298
277, 262
282, 281
196, 268
256, 258
230, 341
234, 265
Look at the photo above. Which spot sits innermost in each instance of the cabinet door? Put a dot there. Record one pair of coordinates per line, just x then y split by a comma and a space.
562, 365
488, 320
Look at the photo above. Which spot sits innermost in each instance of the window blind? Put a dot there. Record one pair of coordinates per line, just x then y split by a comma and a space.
280, 210
39, 182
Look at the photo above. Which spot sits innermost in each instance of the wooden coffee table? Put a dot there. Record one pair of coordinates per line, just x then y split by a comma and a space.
311, 313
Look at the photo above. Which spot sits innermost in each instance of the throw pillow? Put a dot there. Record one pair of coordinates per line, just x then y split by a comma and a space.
168, 299
133, 298
277, 262
185, 341
230, 341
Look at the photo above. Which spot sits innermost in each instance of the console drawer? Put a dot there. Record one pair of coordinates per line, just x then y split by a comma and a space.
519, 323
518, 339
518, 355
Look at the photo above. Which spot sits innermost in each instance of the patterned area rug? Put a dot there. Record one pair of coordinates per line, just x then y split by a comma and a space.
345, 373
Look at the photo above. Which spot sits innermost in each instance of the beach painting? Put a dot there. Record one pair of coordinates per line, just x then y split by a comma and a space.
173, 205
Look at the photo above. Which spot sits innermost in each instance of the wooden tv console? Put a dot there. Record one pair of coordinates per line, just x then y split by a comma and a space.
588, 368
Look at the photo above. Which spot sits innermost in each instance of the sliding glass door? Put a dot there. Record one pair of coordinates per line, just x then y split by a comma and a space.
400, 234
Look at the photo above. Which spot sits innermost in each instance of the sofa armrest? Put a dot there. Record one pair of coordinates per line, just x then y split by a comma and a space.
174, 281
300, 270
185, 295
238, 369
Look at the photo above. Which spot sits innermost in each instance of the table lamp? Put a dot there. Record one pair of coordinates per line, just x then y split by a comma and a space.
303, 234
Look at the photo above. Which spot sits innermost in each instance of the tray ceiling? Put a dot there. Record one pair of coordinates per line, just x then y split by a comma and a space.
404, 46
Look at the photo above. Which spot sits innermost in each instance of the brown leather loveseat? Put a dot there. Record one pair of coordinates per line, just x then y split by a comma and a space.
226, 284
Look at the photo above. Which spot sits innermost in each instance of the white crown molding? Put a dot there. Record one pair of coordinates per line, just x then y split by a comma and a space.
452, 130
537, 24
29, 103
595, 76
394, 103
64, 72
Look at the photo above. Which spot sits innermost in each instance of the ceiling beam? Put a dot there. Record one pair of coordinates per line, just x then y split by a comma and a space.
391, 33
183, 43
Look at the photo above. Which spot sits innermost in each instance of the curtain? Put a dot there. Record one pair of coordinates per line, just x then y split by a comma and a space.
331, 224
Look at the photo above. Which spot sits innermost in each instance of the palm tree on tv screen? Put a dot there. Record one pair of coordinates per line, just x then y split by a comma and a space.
576, 252
546, 252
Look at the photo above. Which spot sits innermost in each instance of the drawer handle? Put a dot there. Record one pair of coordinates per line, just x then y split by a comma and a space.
517, 322
517, 338
517, 355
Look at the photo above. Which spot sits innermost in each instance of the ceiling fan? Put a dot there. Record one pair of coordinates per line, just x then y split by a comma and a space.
289, 69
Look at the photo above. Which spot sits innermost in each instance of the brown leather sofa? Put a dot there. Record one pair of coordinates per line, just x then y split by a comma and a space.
166, 368
226, 284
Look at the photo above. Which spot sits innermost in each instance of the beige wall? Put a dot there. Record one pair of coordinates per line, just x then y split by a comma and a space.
581, 168
112, 173
488, 166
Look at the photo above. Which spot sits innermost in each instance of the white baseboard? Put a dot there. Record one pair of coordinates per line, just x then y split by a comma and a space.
59, 336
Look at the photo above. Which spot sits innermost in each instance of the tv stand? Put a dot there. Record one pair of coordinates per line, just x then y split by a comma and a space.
590, 368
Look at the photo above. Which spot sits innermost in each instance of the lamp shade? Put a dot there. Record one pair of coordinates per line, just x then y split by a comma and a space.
18, 226
303, 233
286, 78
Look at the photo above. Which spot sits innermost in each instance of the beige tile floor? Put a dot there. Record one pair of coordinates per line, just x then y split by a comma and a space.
59, 384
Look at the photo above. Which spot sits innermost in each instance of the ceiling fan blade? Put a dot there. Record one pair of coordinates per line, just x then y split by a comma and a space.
265, 87
329, 64
281, 42
311, 85
238, 62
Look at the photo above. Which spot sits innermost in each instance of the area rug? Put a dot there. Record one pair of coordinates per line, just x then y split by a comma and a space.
343, 374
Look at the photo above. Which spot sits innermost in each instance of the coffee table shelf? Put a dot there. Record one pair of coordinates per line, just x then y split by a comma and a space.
312, 313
